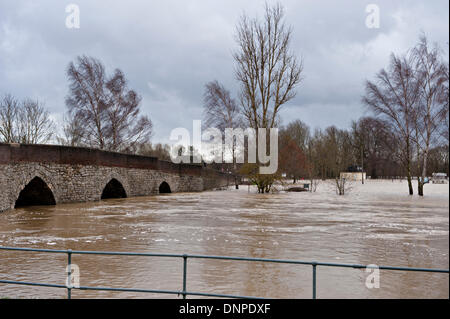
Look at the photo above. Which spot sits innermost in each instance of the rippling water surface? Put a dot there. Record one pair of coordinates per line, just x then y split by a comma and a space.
376, 223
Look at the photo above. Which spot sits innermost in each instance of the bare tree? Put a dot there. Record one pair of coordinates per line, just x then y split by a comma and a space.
431, 109
267, 70
265, 67
108, 109
338, 148
73, 131
293, 149
380, 153
343, 185
125, 127
393, 98
221, 111
299, 132
292, 159
35, 123
445, 98
25, 122
359, 142
9, 108
87, 98
313, 161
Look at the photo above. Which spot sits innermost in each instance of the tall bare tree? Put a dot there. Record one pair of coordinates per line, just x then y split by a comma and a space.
87, 99
431, 109
108, 109
265, 66
393, 97
267, 70
445, 98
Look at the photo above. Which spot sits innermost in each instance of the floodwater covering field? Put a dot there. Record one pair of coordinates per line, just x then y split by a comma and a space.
375, 223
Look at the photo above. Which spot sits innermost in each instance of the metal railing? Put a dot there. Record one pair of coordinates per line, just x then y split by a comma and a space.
184, 292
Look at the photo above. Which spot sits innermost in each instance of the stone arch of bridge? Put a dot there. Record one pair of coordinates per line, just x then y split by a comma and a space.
115, 186
113, 189
35, 191
164, 188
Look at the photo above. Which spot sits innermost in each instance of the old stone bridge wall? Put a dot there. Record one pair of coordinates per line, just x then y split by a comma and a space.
81, 174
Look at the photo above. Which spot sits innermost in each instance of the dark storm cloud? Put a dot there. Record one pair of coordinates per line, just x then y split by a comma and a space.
170, 49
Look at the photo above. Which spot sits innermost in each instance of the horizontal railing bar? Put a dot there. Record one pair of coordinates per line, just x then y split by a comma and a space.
191, 293
87, 252
170, 292
414, 269
31, 284
283, 261
298, 262
382, 267
221, 295
34, 249
166, 292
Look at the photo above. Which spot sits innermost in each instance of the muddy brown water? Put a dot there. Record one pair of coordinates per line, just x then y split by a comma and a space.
376, 223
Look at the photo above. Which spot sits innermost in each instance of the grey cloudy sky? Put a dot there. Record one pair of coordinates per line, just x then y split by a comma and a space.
169, 49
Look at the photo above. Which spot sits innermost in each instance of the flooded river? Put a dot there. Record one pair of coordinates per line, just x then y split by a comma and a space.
376, 223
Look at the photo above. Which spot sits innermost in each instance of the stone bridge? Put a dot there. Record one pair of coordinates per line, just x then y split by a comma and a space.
51, 174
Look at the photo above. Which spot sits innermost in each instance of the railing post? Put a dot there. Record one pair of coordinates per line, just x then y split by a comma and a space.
314, 265
69, 273
184, 275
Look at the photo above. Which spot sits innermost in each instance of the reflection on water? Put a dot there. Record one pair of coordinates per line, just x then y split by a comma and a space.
377, 223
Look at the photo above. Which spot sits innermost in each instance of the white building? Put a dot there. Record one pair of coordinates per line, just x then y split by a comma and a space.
439, 178
353, 176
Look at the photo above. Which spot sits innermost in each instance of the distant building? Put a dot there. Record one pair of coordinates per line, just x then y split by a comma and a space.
439, 178
354, 173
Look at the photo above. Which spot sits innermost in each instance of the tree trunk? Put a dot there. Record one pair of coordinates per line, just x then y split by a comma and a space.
424, 172
420, 186
411, 191
362, 165
408, 168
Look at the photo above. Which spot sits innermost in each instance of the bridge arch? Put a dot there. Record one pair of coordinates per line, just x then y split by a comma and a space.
164, 188
114, 189
36, 192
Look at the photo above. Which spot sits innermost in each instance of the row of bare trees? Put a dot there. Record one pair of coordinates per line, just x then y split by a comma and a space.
408, 101
24, 121
411, 97
370, 143
323, 154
